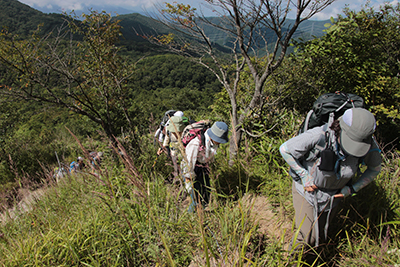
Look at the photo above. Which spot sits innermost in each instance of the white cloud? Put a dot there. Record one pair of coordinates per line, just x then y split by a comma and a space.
337, 7
67, 5
80, 5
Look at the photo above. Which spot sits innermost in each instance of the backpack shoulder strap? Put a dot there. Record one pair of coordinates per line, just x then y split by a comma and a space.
306, 121
361, 160
319, 146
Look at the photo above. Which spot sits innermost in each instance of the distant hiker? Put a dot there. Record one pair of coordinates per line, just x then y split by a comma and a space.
322, 179
174, 130
161, 131
195, 165
162, 135
76, 166
59, 173
96, 158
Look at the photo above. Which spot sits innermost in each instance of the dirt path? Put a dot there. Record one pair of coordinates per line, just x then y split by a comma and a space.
28, 198
270, 223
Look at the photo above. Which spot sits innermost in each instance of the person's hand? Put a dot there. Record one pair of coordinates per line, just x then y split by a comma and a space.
311, 188
339, 195
188, 186
159, 151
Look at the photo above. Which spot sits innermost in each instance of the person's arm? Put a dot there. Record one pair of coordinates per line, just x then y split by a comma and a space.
306, 178
298, 147
373, 161
190, 159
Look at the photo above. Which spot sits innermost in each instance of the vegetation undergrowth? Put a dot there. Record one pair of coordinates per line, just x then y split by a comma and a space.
127, 213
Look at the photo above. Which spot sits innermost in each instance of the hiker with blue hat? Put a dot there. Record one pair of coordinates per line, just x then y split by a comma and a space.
76, 166
195, 165
321, 180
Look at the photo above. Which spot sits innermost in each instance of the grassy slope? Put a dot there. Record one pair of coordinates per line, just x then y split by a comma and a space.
129, 217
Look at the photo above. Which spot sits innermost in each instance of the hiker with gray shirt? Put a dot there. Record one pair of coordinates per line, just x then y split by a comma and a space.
322, 180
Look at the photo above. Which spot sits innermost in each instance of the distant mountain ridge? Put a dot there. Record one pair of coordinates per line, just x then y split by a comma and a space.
23, 20
136, 24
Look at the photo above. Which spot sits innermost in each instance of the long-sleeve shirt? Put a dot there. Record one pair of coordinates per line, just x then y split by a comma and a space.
294, 150
195, 153
159, 136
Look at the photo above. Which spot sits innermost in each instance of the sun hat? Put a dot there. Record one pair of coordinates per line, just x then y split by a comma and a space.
357, 126
219, 132
80, 158
175, 124
178, 113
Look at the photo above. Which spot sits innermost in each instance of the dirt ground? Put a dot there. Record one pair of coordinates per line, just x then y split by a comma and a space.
270, 223
28, 197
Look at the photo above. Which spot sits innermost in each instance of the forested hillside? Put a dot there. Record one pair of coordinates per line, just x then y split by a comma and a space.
23, 20
103, 85
157, 82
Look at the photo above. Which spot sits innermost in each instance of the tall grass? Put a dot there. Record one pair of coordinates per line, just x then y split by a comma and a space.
127, 214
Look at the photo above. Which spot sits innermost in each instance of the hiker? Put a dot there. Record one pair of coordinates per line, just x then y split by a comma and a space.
59, 173
195, 166
96, 158
76, 166
174, 130
320, 183
161, 131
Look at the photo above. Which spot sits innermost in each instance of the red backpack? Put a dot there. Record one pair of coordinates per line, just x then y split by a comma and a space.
193, 130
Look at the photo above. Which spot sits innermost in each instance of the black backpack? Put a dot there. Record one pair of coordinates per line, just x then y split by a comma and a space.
170, 113
327, 108
337, 103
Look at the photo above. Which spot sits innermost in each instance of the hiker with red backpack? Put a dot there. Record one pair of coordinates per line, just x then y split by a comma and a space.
200, 149
323, 177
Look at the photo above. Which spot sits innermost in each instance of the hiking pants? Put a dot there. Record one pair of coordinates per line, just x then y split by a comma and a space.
201, 187
175, 156
304, 210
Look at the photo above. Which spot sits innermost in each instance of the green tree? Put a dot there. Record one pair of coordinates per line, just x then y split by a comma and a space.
360, 54
30, 134
86, 76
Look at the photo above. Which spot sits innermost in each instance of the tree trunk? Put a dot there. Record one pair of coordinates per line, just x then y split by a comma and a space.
234, 144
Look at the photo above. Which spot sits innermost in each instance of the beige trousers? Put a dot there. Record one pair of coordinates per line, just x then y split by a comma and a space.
304, 220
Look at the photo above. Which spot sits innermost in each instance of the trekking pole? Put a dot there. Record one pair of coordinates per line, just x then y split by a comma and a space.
155, 161
59, 165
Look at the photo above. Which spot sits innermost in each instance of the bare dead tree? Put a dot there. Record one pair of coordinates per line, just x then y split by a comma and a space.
252, 26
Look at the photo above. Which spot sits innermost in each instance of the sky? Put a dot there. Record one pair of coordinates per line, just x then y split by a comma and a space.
141, 6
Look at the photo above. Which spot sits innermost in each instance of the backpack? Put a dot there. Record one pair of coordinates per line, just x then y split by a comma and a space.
330, 103
168, 114
159, 135
193, 130
327, 108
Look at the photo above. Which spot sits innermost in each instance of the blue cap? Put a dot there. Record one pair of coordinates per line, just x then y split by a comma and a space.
219, 132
